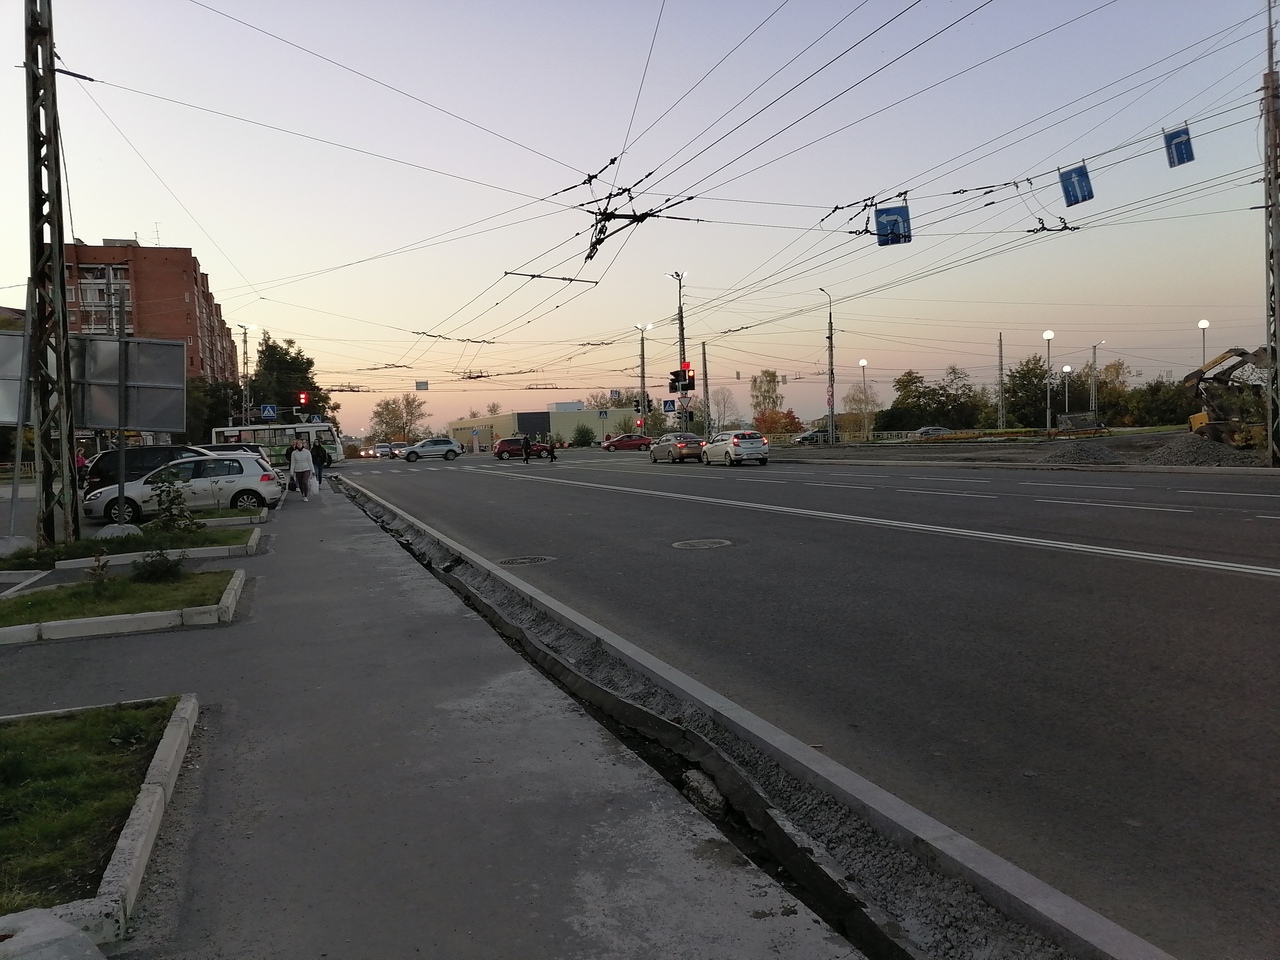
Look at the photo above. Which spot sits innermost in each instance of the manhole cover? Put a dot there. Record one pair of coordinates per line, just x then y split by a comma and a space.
701, 544
523, 561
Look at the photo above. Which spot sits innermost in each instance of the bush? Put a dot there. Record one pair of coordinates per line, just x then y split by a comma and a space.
583, 436
156, 566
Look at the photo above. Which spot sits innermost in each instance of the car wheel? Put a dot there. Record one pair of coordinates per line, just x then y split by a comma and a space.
542, 454
728, 460
644, 447
671, 457
451, 454
130, 512
653, 457
611, 448
410, 457
706, 459
504, 455
246, 499
764, 461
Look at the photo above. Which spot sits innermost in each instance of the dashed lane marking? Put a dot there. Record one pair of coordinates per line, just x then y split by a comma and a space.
950, 493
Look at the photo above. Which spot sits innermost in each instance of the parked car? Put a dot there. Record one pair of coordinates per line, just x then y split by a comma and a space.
207, 483
677, 446
628, 441
509, 447
925, 432
382, 449
432, 447
814, 436
138, 462
735, 447
254, 448
398, 448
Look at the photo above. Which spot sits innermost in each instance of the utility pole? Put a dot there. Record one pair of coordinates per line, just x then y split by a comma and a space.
1000, 381
1271, 127
706, 391
244, 378
644, 390
49, 353
831, 373
679, 276
1093, 381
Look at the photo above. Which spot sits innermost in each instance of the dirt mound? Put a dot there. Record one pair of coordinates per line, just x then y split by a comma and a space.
1077, 451
1189, 450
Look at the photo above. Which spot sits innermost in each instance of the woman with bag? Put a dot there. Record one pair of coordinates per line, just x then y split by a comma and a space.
301, 464
320, 459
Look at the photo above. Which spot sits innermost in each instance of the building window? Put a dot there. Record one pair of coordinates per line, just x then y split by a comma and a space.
190, 340
191, 362
186, 298
71, 294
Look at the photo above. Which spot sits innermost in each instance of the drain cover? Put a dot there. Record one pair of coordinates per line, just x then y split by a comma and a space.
701, 544
523, 561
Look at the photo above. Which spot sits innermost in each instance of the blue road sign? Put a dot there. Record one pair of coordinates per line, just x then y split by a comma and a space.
893, 225
475, 431
315, 418
1076, 187
668, 406
1177, 145
268, 411
604, 414
615, 394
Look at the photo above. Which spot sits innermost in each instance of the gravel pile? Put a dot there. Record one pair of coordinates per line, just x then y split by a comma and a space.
1075, 451
1189, 450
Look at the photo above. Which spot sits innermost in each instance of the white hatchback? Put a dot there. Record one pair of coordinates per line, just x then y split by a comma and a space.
207, 483
735, 447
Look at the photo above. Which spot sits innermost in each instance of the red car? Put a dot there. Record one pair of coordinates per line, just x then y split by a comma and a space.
628, 441
510, 447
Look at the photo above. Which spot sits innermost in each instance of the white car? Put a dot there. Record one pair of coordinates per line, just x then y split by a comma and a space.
228, 482
735, 447
432, 447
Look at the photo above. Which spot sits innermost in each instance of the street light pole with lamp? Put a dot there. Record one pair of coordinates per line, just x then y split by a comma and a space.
831, 373
1093, 380
1204, 327
1066, 388
678, 276
866, 403
1048, 381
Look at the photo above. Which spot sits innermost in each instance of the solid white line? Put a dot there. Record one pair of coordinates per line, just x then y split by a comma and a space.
950, 493
1228, 493
1074, 486
1117, 506
752, 480
863, 476
838, 486
1004, 538
948, 480
1263, 516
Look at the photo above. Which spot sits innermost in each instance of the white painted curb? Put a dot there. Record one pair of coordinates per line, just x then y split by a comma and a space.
191, 553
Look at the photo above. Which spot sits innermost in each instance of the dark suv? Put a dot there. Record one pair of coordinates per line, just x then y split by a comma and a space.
138, 462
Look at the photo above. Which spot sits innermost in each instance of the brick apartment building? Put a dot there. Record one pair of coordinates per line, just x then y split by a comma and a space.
165, 296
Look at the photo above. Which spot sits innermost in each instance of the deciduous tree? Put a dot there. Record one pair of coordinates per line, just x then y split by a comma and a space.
397, 418
764, 392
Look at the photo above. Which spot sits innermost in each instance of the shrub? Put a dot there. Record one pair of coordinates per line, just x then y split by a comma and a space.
174, 515
583, 436
157, 566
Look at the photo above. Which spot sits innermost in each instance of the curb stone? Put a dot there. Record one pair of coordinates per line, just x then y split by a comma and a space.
192, 553
104, 917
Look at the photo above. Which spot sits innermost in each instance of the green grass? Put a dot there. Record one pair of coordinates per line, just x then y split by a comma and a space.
29, 559
67, 785
221, 514
118, 595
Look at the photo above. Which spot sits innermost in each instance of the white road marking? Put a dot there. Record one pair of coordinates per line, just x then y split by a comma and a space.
1263, 516
839, 486
1074, 486
1065, 546
950, 493
1228, 493
750, 480
1117, 506
863, 476
947, 480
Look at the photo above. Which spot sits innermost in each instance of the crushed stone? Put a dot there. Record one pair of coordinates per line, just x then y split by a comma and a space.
1190, 450
1079, 451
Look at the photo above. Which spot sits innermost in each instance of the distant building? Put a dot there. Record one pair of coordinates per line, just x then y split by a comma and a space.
164, 296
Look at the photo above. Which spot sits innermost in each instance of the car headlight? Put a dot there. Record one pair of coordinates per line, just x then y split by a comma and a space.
95, 495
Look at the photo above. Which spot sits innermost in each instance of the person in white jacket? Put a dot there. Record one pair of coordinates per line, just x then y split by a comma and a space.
301, 465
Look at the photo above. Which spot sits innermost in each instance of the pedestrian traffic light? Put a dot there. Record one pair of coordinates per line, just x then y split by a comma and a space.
302, 398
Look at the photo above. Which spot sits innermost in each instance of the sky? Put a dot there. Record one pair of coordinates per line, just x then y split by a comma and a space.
375, 180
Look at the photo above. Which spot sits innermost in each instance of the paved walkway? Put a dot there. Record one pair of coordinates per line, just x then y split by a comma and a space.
377, 775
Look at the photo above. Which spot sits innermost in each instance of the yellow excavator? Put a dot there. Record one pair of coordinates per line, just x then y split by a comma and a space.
1228, 398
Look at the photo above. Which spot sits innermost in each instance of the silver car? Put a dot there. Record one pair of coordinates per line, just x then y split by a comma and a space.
432, 447
735, 447
229, 482
677, 446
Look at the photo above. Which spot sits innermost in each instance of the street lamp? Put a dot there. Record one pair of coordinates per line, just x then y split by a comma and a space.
644, 395
678, 276
1093, 381
1048, 381
831, 373
1203, 325
1066, 388
866, 404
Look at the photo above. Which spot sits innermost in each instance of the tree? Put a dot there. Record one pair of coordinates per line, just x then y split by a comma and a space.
397, 418
862, 402
764, 392
473, 414
209, 405
951, 401
1024, 393
723, 406
778, 421
494, 409
283, 373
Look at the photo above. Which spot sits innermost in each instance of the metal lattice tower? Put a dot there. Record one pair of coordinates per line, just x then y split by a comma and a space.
1271, 126
49, 349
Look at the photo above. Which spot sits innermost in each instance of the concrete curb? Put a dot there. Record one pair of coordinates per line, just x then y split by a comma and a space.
1009, 888
222, 612
104, 917
1259, 471
247, 549
259, 517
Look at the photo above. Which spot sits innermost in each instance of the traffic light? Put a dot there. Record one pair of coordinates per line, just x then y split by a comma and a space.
635, 405
302, 398
688, 384
639, 423
650, 407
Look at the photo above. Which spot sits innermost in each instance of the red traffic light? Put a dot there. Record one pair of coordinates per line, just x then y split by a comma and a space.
302, 397
639, 423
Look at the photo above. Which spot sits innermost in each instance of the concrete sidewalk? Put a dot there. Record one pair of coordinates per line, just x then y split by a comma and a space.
377, 775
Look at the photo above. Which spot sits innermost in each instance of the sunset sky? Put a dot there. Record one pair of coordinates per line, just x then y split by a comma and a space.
366, 178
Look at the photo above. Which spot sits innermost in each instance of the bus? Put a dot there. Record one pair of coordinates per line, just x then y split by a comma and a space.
275, 438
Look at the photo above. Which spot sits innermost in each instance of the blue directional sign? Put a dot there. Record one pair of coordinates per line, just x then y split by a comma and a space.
893, 225
268, 411
1076, 187
1177, 145
668, 406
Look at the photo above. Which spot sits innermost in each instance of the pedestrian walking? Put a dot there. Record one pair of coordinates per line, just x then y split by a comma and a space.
320, 459
301, 465
525, 447
551, 443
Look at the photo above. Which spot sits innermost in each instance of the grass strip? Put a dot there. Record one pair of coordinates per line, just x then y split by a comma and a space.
225, 514
115, 595
30, 559
67, 785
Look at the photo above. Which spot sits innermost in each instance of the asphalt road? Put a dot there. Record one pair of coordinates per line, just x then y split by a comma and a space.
1076, 669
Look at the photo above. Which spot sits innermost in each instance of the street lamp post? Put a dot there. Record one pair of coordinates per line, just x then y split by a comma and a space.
1048, 381
644, 393
678, 276
866, 404
1093, 381
1204, 326
1066, 388
831, 373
